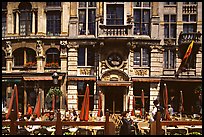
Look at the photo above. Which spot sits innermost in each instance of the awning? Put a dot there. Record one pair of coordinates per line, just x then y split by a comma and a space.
36, 78
146, 79
81, 78
114, 83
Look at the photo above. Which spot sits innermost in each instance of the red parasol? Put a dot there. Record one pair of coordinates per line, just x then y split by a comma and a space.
37, 106
84, 115
100, 112
165, 98
13, 104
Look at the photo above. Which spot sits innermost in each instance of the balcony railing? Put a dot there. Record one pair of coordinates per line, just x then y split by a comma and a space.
189, 8
114, 30
188, 37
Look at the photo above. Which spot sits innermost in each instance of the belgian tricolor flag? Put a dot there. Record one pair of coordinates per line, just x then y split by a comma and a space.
184, 61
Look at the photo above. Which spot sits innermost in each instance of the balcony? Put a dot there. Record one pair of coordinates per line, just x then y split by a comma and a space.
188, 37
189, 9
114, 30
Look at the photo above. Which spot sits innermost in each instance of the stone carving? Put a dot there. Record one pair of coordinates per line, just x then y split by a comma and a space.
63, 45
141, 72
85, 71
73, 45
8, 48
39, 48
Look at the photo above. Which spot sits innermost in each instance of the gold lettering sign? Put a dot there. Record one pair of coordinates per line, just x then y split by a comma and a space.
85, 71
141, 72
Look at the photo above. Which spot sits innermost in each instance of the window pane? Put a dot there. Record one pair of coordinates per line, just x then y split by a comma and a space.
166, 59
53, 23
173, 18
92, 4
137, 15
90, 56
3, 24
137, 57
186, 18
166, 18
166, 31
115, 15
146, 4
82, 22
53, 3
145, 58
193, 18
81, 56
172, 59
91, 21
137, 4
145, 29
146, 16
82, 4
173, 31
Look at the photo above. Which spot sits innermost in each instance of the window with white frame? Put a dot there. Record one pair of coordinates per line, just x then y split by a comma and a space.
87, 16
169, 58
115, 13
141, 57
141, 13
85, 56
169, 26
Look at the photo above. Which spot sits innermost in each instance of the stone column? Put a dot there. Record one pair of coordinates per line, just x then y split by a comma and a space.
33, 22
72, 71
131, 95
65, 18
156, 62
155, 20
63, 55
154, 94
72, 95
72, 58
73, 28
40, 57
199, 63
17, 22
9, 57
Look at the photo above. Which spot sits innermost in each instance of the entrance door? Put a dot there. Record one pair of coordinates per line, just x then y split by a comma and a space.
114, 99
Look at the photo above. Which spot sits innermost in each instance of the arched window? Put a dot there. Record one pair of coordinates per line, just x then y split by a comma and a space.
25, 18
3, 59
52, 57
19, 55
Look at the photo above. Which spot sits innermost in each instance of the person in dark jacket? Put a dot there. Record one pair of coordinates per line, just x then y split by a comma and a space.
126, 126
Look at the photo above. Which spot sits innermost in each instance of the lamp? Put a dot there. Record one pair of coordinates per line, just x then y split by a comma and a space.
55, 77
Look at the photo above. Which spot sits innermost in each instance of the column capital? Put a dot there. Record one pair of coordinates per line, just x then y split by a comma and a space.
74, 45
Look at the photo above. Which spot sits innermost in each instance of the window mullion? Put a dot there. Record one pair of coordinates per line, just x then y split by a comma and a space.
141, 55
87, 18
86, 56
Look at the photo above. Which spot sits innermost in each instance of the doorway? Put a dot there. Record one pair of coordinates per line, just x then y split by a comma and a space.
114, 99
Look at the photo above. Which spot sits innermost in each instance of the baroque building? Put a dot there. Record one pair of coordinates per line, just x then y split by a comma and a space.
118, 48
